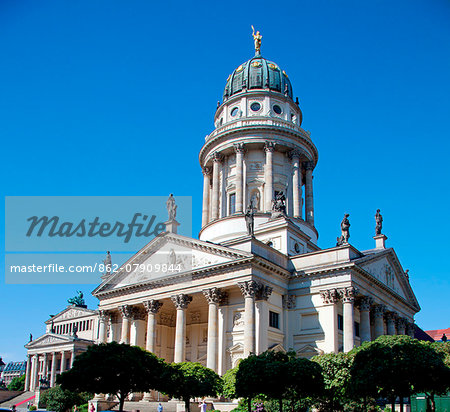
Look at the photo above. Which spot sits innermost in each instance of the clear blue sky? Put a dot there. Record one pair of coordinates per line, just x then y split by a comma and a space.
115, 98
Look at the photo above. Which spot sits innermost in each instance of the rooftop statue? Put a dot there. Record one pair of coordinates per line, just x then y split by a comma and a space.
345, 231
77, 300
107, 262
379, 223
279, 203
257, 38
171, 208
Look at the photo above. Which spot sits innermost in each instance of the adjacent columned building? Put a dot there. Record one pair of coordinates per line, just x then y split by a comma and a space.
256, 278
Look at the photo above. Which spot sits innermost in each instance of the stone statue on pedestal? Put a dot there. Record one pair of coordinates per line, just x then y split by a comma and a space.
279, 203
107, 262
345, 231
379, 223
171, 208
250, 219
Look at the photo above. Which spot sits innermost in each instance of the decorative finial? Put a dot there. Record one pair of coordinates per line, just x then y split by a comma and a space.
257, 38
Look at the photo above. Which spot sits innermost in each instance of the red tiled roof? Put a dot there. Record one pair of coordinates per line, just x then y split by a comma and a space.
436, 334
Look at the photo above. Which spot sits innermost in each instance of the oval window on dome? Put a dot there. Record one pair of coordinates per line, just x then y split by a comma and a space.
256, 64
277, 109
273, 66
240, 68
234, 111
255, 106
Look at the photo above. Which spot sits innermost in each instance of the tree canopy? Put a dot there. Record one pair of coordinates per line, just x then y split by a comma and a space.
17, 383
191, 380
59, 400
114, 368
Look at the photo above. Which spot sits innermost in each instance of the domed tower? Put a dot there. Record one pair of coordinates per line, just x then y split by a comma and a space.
257, 153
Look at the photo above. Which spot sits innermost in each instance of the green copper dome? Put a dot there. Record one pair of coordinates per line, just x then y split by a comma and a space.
258, 73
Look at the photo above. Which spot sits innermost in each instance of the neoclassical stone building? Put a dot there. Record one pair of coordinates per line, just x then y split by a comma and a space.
256, 278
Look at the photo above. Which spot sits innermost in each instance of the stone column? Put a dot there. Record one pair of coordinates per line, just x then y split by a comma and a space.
390, 322
249, 289
217, 159
125, 311
401, 326
53, 370
63, 362
364, 314
239, 148
223, 310
269, 147
137, 327
309, 212
181, 303
296, 183
331, 297
45, 366
410, 329
103, 320
378, 314
72, 357
35, 379
213, 296
206, 185
262, 340
152, 307
348, 298
28, 374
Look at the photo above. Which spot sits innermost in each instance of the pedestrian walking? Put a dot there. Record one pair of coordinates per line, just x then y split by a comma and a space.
160, 408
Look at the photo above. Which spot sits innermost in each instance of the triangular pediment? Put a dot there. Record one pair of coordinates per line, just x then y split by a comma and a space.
48, 339
70, 312
386, 268
170, 255
308, 351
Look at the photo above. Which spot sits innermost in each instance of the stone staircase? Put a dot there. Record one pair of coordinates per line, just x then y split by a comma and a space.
16, 398
147, 406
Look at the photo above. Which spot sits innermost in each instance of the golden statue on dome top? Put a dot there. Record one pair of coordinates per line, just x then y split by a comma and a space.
257, 38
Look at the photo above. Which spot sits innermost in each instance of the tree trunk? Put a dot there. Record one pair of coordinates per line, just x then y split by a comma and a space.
401, 403
121, 401
393, 404
249, 404
187, 405
433, 403
280, 403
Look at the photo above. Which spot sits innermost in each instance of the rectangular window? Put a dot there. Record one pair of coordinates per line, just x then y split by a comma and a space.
340, 322
274, 320
357, 329
232, 204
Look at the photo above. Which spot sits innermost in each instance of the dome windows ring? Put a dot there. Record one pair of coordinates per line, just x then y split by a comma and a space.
255, 106
277, 109
234, 111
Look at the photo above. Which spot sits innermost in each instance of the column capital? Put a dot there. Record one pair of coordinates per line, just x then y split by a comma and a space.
248, 288
378, 311
289, 301
269, 146
181, 301
152, 306
294, 154
348, 294
365, 303
206, 171
125, 311
330, 296
104, 315
263, 292
308, 165
213, 295
239, 147
402, 323
391, 317
217, 157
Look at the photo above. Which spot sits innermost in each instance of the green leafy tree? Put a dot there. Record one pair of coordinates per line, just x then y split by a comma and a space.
59, 400
114, 368
186, 380
336, 377
229, 383
394, 366
17, 383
